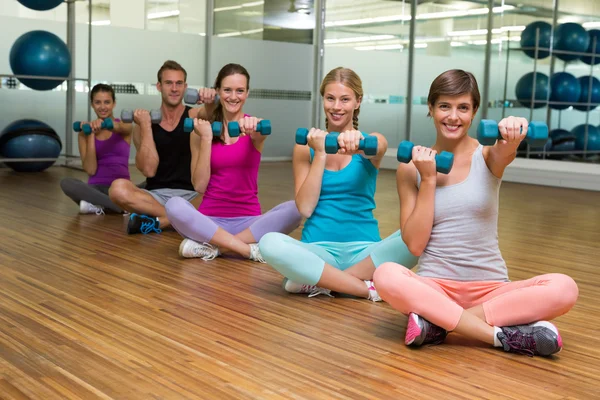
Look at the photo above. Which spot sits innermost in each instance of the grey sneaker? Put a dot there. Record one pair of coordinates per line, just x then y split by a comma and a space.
190, 249
419, 331
539, 338
311, 290
89, 208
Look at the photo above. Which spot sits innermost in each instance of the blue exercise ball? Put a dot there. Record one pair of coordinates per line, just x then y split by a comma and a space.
564, 88
594, 33
524, 89
40, 5
40, 53
29, 138
594, 101
571, 37
562, 140
528, 38
593, 137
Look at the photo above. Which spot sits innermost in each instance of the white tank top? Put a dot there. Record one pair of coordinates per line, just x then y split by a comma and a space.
464, 239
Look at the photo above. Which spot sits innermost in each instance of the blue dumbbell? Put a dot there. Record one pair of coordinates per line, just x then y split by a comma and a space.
192, 96
487, 133
87, 129
368, 144
263, 127
217, 127
443, 161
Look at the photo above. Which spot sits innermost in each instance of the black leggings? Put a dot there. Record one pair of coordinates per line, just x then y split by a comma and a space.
94, 194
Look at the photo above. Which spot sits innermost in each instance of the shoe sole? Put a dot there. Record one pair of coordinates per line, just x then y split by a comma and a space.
181, 246
552, 327
413, 330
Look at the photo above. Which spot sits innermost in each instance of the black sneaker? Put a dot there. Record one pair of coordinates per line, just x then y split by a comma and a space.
419, 331
142, 224
540, 338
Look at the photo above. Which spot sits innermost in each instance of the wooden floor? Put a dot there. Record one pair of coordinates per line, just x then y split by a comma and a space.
88, 312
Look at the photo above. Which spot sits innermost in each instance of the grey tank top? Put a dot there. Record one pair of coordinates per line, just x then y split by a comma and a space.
464, 239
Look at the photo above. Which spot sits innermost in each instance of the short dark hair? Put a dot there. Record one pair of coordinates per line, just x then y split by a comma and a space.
172, 65
101, 87
454, 82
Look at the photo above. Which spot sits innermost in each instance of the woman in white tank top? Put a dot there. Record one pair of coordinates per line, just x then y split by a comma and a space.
450, 222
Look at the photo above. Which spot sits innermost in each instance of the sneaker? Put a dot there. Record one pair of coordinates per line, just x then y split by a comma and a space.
255, 253
419, 331
373, 295
139, 223
190, 249
311, 290
539, 338
89, 208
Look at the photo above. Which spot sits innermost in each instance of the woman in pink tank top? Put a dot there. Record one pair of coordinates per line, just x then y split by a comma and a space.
104, 155
225, 172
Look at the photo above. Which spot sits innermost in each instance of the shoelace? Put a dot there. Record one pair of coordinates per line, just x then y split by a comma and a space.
99, 210
205, 251
148, 225
520, 343
255, 254
317, 291
435, 335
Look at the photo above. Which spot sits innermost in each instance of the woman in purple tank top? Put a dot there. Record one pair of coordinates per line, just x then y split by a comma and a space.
450, 221
225, 171
104, 155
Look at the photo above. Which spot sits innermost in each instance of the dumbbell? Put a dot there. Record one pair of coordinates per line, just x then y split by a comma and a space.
263, 127
155, 116
443, 161
488, 133
192, 96
87, 129
217, 127
368, 144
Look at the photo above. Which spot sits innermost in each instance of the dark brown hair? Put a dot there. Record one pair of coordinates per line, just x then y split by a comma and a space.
454, 82
348, 78
101, 87
228, 70
172, 65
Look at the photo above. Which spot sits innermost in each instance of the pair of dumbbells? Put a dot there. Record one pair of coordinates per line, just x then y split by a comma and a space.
155, 116
368, 144
233, 127
192, 96
87, 128
488, 133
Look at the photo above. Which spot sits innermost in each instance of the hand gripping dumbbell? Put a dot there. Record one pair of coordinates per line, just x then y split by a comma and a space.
443, 161
155, 116
368, 144
488, 133
87, 129
217, 127
192, 96
263, 127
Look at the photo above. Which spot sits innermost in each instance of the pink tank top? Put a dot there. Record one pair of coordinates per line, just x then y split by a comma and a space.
233, 187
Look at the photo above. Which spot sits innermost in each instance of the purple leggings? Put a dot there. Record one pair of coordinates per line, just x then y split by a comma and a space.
192, 224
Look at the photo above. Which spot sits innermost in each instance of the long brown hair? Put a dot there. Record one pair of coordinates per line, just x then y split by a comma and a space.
227, 70
348, 78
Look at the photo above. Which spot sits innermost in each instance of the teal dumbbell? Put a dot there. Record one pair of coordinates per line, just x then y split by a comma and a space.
487, 133
302, 136
368, 144
192, 96
443, 161
87, 129
217, 127
155, 116
263, 127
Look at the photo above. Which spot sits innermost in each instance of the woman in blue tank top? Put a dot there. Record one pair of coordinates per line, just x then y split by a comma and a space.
451, 222
104, 156
340, 246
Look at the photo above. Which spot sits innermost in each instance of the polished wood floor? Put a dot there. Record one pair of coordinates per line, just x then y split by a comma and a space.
88, 312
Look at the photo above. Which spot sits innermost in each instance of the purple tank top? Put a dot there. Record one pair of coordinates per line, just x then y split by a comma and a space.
112, 157
232, 190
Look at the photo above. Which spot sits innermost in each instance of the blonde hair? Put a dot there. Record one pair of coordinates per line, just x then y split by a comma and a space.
348, 78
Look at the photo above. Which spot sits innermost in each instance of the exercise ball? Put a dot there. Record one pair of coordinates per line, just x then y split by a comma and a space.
594, 33
29, 138
528, 38
40, 53
525, 86
562, 140
40, 5
593, 139
584, 83
565, 88
570, 37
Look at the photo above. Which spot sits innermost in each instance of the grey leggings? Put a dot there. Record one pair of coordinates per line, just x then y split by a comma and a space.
95, 194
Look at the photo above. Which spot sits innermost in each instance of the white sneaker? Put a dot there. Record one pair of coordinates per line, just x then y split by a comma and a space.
255, 253
311, 290
373, 295
190, 249
89, 208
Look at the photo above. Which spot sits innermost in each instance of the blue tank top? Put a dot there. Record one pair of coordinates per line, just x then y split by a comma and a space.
344, 212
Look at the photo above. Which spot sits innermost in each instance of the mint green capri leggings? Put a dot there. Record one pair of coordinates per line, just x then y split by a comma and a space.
304, 262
